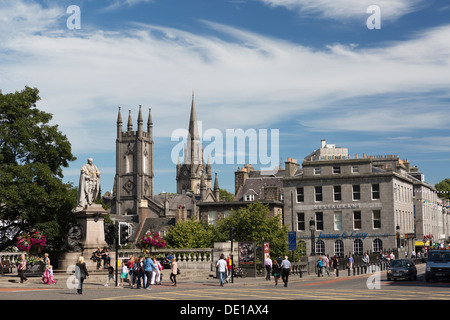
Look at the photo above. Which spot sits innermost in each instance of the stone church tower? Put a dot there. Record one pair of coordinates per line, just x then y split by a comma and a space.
133, 182
193, 174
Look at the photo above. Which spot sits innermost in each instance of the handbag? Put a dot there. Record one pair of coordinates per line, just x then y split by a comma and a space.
178, 271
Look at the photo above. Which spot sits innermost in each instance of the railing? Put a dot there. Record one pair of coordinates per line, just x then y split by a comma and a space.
198, 258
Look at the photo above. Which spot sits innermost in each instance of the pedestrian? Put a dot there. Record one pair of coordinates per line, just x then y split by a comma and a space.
276, 271
285, 270
156, 274
319, 267
105, 256
50, 275
326, 265
173, 272
45, 277
130, 264
46, 261
124, 273
169, 258
334, 262
279, 260
21, 269
229, 269
110, 275
81, 273
149, 268
138, 267
350, 262
366, 261
97, 257
268, 265
221, 266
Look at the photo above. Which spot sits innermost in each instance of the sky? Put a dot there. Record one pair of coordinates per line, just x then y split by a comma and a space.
371, 76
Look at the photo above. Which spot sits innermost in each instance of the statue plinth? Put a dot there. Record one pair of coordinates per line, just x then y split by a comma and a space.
91, 221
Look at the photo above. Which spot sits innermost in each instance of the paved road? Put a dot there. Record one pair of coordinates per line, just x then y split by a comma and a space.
363, 287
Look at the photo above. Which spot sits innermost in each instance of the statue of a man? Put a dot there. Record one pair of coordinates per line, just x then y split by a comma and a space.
89, 186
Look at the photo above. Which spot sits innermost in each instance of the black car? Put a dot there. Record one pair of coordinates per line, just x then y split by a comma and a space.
402, 268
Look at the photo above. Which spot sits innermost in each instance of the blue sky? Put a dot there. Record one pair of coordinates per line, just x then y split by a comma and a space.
311, 69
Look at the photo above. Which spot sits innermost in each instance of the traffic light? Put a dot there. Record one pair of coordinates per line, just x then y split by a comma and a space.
232, 232
123, 233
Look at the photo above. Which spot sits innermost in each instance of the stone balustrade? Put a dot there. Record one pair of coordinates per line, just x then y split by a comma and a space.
197, 258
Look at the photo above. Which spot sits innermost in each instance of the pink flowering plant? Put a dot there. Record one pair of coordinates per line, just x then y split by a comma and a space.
151, 239
31, 242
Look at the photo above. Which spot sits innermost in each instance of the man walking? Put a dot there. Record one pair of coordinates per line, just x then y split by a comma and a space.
268, 265
285, 270
149, 266
221, 266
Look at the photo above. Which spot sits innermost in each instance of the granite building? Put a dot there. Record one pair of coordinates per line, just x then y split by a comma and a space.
352, 204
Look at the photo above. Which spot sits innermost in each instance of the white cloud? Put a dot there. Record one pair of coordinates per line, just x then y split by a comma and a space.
348, 9
249, 81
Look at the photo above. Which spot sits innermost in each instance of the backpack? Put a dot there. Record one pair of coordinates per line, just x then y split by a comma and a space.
319, 263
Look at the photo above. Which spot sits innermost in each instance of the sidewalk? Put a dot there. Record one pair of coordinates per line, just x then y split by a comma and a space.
11, 280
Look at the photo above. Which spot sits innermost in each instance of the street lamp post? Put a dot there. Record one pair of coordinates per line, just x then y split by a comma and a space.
312, 228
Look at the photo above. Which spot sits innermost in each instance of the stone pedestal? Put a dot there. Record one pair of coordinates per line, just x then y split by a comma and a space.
91, 221
92, 224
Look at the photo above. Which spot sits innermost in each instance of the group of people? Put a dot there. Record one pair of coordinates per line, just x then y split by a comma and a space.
99, 255
325, 262
137, 271
278, 268
47, 276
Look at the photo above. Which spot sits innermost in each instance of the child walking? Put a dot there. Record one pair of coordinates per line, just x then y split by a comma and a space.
124, 274
50, 275
110, 275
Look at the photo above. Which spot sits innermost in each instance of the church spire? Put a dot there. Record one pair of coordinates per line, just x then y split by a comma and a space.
130, 122
194, 144
119, 124
140, 121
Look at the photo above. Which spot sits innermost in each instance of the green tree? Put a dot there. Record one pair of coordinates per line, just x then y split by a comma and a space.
444, 189
254, 223
190, 234
225, 195
32, 154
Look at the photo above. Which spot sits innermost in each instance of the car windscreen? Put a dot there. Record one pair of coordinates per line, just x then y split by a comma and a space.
439, 256
399, 263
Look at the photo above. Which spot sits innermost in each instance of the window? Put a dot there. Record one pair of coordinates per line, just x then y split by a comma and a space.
376, 217
318, 193
377, 245
301, 221
375, 191
129, 163
319, 220
358, 247
320, 247
336, 170
300, 195
337, 193
355, 169
249, 197
338, 220
356, 192
212, 218
317, 170
339, 248
356, 220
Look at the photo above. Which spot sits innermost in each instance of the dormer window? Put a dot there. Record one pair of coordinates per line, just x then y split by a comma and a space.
249, 197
